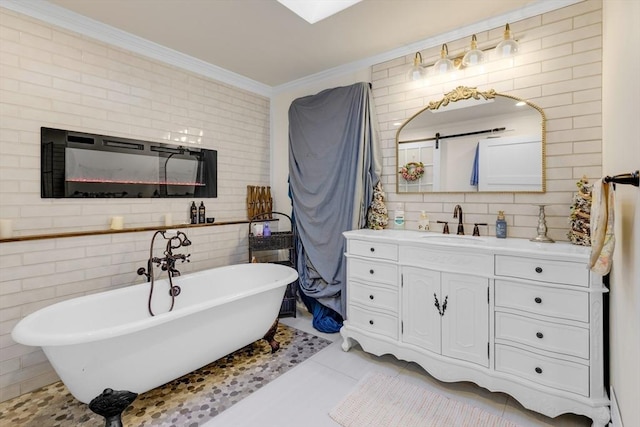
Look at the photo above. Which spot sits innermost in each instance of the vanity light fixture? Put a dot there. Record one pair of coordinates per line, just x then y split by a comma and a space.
508, 46
475, 56
417, 71
444, 64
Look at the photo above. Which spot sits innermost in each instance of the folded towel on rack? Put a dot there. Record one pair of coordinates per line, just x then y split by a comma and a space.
602, 223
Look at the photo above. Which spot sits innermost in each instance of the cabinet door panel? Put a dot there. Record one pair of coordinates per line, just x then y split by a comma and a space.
465, 324
421, 320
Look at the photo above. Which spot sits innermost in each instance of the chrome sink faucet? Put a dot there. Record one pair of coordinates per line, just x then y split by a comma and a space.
457, 213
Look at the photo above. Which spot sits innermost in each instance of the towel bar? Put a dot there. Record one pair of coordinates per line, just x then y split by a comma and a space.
632, 178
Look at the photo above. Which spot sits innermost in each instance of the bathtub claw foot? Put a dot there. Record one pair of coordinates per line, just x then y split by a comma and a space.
270, 337
110, 404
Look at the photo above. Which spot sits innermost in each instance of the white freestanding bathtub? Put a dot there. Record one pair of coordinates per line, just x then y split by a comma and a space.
109, 340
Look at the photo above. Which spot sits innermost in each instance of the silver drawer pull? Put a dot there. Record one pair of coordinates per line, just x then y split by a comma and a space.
371, 322
371, 271
538, 370
538, 300
370, 296
538, 269
539, 335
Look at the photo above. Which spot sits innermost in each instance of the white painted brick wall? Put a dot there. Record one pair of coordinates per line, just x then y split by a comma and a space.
55, 78
559, 69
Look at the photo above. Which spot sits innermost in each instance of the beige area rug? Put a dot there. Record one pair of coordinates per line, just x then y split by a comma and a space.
383, 401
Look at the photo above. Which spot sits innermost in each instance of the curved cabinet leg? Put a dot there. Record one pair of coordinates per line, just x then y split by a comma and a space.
347, 342
601, 417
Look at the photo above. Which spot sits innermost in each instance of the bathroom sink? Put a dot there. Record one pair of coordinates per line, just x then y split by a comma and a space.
453, 238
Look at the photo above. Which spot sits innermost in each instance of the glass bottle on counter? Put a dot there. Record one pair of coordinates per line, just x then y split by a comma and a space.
398, 217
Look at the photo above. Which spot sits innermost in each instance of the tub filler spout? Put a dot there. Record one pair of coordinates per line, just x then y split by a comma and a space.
166, 263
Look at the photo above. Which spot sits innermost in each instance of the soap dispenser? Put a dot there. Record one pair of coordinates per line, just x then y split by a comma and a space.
501, 226
423, 222
202, 213
193, 213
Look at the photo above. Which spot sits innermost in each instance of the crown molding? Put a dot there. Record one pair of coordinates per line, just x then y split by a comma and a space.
55, 15
72, 21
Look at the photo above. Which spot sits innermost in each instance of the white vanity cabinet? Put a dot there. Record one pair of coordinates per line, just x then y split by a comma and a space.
542, 322
511, 315
374, 296
446, 313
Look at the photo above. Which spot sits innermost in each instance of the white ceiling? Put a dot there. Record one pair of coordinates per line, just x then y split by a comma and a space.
265, 42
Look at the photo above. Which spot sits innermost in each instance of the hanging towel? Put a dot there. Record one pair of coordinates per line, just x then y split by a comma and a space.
602, 222
475, 170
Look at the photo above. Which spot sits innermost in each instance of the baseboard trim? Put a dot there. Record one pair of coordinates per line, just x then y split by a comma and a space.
616, 418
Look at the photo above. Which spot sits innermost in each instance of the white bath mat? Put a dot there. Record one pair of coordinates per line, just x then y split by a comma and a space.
383, 401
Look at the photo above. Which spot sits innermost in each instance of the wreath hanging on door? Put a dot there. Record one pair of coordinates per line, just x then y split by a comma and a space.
412, 171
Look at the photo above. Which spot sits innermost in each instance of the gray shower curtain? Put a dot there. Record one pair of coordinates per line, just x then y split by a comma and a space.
334, 164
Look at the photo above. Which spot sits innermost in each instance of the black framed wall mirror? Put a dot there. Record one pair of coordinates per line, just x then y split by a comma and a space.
472, 141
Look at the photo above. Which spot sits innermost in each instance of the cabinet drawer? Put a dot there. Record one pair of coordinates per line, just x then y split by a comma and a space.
556, 337
548, 301
372, 271
556, 373
370, 321
376, 250
447, 259
543, 270
373, 296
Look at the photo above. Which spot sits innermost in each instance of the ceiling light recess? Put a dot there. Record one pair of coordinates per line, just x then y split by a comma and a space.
313, 11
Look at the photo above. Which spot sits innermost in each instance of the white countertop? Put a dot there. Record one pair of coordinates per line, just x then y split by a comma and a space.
508, 246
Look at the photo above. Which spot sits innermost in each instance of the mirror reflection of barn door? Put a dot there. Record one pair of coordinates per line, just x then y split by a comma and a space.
425, 152
510, 164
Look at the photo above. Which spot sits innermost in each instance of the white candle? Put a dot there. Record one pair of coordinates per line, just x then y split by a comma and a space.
6, 229
117, 223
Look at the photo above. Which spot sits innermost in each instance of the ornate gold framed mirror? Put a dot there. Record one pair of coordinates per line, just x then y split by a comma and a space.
472, 141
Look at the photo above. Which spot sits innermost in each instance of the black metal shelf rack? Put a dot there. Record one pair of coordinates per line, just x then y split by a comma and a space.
277, 241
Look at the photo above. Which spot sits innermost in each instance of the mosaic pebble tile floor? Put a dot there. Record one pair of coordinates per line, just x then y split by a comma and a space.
189, 401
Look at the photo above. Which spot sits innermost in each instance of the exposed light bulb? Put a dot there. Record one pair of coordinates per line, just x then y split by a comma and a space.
508, 46
417, 70
444, 64
475, 56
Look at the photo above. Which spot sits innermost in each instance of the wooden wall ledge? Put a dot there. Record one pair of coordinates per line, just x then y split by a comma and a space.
124, 230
